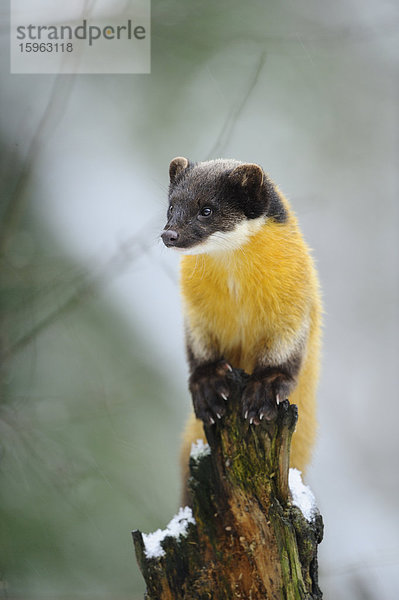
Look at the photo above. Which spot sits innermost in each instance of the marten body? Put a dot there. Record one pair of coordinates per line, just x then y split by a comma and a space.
250, 296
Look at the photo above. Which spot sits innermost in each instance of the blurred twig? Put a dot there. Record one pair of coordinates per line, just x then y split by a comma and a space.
127, 253
234, 115
349, 34
51, 117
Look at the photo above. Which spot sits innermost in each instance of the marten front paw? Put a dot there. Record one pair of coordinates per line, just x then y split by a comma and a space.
262, 395
210, 390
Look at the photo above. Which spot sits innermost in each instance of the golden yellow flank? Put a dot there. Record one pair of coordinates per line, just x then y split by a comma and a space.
259, 301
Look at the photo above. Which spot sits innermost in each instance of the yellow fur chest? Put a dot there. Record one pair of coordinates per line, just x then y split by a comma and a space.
255, 297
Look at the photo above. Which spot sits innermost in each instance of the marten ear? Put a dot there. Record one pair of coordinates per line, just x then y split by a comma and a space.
248, 176
177, 166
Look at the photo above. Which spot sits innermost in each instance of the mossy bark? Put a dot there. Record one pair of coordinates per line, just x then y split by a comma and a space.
249, 542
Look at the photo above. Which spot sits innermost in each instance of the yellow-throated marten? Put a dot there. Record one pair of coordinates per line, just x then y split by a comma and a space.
250, 295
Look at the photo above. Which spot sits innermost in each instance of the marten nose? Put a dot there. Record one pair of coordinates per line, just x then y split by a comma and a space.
169, 237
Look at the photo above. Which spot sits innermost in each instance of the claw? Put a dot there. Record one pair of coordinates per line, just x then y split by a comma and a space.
211, 421
246, 415
261, 415
278, 399
224, 396
219, 416
251, 420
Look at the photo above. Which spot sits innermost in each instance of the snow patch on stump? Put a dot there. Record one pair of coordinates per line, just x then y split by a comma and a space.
302, 495
178, 526
199, 449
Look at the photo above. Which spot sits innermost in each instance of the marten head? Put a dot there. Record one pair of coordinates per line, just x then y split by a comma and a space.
217, 205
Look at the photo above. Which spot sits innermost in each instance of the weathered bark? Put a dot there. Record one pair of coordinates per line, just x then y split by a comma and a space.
248, 542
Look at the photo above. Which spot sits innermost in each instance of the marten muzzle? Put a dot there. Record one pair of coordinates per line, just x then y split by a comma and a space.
170, 237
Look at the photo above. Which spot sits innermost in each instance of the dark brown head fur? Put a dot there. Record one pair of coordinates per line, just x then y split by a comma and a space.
215, 196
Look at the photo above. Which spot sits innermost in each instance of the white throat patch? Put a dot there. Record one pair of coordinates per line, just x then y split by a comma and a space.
226, 241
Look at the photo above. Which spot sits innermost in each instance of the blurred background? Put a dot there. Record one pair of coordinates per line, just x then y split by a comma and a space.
93, 373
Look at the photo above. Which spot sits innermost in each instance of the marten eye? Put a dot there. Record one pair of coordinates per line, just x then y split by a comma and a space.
170, 209
204, 213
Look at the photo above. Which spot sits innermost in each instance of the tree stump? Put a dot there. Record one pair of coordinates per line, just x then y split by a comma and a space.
248, 539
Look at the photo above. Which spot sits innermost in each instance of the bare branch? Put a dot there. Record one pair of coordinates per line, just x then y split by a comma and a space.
234, 115
52, 115
128, 253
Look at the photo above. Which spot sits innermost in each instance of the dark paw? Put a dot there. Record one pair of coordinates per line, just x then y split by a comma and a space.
261, 397
210, 390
